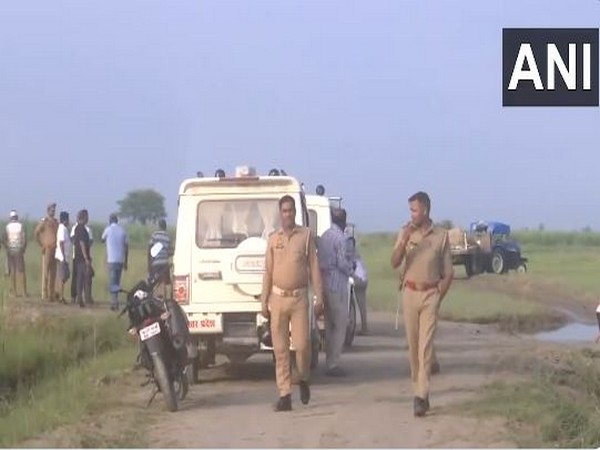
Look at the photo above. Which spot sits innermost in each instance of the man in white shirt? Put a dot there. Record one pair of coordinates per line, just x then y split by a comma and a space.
63, 250
15, 241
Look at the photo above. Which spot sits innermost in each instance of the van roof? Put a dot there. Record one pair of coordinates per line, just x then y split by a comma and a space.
263, 184
317, 200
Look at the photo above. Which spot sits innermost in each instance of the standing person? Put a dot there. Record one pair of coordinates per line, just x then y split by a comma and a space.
45, 235
291, 258
159, 265
15, 242
83, 259
117, 253
74, 266
426, 279
63, 251
336, 268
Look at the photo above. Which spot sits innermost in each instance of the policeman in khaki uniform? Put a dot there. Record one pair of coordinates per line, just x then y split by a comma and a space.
290, 260
427, 276
45, 234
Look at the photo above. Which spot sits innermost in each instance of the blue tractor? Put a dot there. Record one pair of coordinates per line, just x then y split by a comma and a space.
498, 253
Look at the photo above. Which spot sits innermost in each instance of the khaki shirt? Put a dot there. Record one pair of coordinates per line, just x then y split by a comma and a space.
427, 258
290, 260
45, 232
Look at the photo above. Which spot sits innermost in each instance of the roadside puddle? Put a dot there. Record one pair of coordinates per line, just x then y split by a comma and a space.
572, 332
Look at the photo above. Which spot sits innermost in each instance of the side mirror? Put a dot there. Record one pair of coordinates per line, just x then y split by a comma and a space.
155, 249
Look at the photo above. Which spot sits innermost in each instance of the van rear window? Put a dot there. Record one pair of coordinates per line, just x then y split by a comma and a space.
226, 223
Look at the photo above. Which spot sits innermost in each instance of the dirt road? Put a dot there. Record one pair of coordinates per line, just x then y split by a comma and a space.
371, 407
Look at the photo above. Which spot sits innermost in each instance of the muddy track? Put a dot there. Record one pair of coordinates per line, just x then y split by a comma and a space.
371, 407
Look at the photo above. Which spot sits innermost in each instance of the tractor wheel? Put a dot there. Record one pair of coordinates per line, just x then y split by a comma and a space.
469, 268
522, 268
498, 263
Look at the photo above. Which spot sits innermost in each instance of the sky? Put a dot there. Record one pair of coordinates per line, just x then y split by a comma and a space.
373, 99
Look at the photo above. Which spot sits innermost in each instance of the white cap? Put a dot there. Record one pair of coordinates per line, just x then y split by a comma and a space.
598, 309
12, 214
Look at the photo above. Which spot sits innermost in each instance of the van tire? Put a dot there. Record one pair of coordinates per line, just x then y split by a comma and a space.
315, 343
192, 371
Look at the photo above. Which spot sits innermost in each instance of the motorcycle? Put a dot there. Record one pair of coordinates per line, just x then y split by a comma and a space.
162, 329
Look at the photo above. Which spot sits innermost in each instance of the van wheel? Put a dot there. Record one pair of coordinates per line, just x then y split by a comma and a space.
315, 343
192, 370
294, 373
351, 329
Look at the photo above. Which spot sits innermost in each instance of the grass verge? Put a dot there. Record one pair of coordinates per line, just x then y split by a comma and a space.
56, 370
559, 405
67, 399
29, 354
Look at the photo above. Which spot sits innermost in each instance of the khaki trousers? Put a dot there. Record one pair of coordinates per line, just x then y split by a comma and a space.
420, 320
48, 273
286, 310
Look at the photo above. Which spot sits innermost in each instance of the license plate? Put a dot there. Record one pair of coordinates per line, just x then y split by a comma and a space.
205, 323
149, 331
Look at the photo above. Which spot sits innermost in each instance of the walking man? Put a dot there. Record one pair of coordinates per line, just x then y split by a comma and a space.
15, 241
291, 258
426, 279
117, 253
336, 269
45, 235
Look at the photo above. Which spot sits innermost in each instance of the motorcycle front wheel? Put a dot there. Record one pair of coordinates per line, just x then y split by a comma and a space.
182, 384
164, 384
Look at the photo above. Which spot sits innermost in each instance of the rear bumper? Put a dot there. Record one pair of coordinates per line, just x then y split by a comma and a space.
233, 331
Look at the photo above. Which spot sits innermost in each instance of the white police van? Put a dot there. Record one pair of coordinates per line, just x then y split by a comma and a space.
223, 223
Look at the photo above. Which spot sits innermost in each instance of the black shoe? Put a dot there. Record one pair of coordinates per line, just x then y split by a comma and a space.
420, 406
284, 403
435, 368
304, 392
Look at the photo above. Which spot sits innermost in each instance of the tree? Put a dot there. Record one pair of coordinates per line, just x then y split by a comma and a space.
143, 205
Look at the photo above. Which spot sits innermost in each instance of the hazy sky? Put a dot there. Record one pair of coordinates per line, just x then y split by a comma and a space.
101, 97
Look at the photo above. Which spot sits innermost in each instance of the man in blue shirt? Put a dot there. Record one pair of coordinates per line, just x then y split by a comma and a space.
336, 269
117, 253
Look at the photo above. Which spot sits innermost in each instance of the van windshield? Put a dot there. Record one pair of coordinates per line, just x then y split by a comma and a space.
226, 223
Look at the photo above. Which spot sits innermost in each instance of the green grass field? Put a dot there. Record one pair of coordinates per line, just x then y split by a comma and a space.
573, 267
